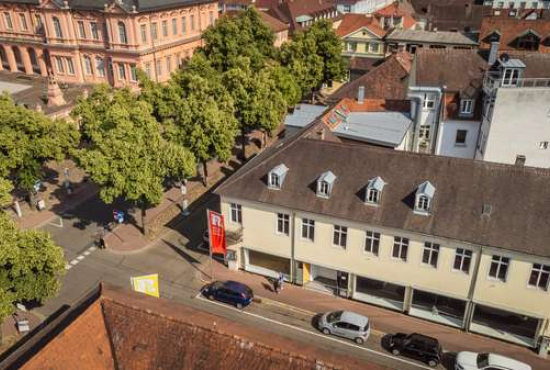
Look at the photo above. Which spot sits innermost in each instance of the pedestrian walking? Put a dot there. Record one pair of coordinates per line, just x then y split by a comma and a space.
280, 281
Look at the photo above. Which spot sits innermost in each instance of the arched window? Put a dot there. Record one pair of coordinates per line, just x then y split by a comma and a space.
122, 33
57, 28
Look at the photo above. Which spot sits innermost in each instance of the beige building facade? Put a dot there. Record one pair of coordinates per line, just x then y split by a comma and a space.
490, 290
91, 42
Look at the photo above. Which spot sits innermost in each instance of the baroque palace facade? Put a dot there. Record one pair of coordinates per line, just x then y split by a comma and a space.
90, 41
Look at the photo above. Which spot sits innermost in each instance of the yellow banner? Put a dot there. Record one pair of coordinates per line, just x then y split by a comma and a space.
148, 284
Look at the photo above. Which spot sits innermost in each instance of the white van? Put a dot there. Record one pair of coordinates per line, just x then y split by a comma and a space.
487, 361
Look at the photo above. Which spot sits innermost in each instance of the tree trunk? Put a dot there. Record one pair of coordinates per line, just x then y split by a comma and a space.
143, 214
205, 173
264, 139
243, 139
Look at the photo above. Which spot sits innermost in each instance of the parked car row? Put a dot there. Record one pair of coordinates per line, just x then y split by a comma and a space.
356, 327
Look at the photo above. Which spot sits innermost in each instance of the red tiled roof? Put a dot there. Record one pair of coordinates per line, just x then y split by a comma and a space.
510, 29
388, 81
288, 10
115, 329
399, 9
353, 22
273, 23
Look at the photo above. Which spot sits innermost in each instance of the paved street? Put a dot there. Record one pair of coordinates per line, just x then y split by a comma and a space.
179, 265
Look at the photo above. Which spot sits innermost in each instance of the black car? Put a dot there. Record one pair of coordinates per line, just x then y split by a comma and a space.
231, 292
418, 346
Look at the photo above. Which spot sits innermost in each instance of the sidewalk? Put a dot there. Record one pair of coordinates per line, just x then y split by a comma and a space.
383, 320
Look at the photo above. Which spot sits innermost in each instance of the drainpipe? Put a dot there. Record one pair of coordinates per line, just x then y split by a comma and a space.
470, 306
292, 261
416, 93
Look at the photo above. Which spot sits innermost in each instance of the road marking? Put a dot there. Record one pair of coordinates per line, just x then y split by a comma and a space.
59, 224
92, 248
87, 253
74, 262
68, 266
200, 297
79, 258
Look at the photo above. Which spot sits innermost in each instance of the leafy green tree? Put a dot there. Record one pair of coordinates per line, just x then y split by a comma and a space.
28, 139
5, 188
30, 262
259, 105
287, 84
245, 36
314, 56
127, 154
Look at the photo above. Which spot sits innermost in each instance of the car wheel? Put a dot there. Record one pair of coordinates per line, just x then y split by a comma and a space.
395, 352
359, 340
326, 331
432, 363
211, 297
239, 306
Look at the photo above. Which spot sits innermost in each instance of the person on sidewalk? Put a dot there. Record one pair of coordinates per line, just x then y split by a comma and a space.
279, 283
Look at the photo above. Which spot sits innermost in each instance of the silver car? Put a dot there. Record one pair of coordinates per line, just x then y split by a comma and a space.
345, 324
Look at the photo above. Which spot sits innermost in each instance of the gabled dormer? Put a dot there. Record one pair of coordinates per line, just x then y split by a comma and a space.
325, 183
276, 177
373, 193
511, 70
424, 198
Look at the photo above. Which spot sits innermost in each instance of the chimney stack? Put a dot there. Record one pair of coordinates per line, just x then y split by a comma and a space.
493, 52
361, 95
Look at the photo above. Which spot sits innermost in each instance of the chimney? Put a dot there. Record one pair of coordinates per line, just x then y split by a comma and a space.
361, 95
520, 160
493, 52
55, 96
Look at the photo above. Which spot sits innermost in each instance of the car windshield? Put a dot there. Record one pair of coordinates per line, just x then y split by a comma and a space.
482, 360
334, 316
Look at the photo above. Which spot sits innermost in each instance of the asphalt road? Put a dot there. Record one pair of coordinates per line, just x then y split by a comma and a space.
177, 262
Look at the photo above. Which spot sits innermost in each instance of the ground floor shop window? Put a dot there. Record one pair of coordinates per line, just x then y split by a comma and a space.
438, 304
509, 322
269, 262
380, 289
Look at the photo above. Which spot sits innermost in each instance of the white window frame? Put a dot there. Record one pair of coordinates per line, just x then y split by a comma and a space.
183, 25
340, 235
192, 21
100, 66
351, 46
372, 243
122, 35
154, 29
543, 145
431, 250
373, 196
133, 73
121, 71
466, 106
401, 243
164, 26
283, 224
423, 203
500, 261
375, 44
8, 21
463, 254
512, 79
324, 189
428, 103
236, 213
174, 26
58, 29
59, 65
143, 32
87, 65
540, 269
274, 181
308, 225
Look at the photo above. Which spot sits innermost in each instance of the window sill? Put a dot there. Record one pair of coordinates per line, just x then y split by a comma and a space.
458, 145
496, 280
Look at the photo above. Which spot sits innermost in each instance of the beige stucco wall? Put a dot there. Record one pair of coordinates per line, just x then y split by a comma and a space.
362, 39
515, 294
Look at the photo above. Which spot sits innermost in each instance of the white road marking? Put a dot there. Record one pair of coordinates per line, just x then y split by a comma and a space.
80, 258
200, 297
93, 248
87, 253
74, 262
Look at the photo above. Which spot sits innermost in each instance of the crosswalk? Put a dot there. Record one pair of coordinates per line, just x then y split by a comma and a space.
79, 258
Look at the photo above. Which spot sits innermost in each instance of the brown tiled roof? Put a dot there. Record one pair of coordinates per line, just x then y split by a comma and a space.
399, 9
509, 30
463, 16
289, 10
519, 196
273, 23
352, 22
387, 81
363, 64
115, 329
456, 69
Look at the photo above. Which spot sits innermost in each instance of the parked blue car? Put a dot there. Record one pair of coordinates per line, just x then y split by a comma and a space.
231, 292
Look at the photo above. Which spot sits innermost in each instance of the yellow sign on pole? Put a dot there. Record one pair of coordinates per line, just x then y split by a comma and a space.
148, 284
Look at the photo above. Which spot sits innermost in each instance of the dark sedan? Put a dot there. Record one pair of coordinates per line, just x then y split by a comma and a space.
231, 292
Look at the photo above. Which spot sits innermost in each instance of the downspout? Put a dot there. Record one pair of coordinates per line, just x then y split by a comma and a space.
292, 261
471, 292
440, 109
416, 93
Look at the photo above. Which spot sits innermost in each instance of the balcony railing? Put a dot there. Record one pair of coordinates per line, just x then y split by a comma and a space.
495, 81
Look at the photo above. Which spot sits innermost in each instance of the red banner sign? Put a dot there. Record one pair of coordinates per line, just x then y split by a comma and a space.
216, 233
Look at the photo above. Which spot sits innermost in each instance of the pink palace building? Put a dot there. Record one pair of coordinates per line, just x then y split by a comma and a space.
93, 41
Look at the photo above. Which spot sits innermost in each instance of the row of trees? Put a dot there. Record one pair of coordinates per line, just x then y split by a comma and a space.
30, 261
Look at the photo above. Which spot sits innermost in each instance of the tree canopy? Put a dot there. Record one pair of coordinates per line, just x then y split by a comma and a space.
127, 154
28, 139
30, 262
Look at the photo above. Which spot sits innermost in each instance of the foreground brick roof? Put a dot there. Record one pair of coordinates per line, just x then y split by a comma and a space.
114, 329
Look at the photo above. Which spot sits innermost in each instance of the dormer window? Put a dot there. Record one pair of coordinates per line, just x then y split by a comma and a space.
277, 176
466, 107
510, 77
374, 191
424, 198
325, 184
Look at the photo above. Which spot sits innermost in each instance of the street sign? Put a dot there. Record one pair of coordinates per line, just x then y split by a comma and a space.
148, 284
